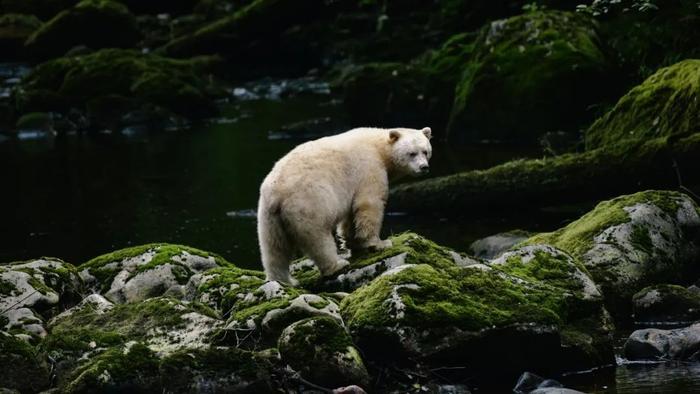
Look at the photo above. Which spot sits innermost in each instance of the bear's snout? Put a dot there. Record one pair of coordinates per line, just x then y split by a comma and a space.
424, 169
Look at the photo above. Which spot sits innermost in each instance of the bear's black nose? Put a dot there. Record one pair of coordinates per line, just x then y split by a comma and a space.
424, 168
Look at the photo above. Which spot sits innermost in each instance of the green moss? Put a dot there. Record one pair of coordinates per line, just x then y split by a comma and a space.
7, 288
417, 250
577, 237
107, 266
225, 287
470, 299
94, 23
135, 366
664, 105
519, 81
73, 82
569, 178
183, 369
22, 367
122, 323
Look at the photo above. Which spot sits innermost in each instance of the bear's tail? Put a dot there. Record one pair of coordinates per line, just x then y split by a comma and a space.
275, 247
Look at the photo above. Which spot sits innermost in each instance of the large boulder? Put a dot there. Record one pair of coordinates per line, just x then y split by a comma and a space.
443, 311
93, 23
665, 105
530, 74
110, 84
633, 241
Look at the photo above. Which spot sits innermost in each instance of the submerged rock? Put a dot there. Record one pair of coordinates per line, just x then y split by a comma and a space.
666, 305
93, 23
520, 80
322, 352
655, 344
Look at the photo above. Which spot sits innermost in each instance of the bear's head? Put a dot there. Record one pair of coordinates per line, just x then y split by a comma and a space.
410, 150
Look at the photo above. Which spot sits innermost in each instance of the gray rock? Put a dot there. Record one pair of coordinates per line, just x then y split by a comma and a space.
494, 245
656, 344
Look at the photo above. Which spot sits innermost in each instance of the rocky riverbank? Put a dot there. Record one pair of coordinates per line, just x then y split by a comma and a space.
168, 317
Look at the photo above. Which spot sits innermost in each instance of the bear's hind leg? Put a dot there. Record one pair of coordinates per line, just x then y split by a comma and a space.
322, 250
275, 249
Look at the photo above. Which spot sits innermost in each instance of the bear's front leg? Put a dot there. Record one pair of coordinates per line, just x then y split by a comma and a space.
368, 224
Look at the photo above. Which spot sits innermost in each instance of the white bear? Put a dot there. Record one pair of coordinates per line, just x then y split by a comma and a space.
339, 183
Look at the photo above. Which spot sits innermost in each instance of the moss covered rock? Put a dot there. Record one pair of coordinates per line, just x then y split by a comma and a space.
261, 313
664, 105
14, 30
22, 367
35, 290
408, 248
442, 312
632, 242
141, 272
322, 352
220, 369
529, 74
93, 23
139, 80
666, 304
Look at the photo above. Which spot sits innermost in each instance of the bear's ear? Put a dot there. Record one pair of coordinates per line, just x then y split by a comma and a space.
427, 132
394, 136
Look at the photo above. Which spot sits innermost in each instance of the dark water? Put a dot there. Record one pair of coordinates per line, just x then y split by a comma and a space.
78, 196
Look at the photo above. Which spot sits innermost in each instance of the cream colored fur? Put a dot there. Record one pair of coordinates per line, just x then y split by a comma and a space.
338, 182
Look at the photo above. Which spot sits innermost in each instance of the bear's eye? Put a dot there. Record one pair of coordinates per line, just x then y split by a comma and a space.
414, 154
425, 152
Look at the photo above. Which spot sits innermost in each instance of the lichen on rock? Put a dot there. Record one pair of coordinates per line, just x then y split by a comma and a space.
34, 290
140, 272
